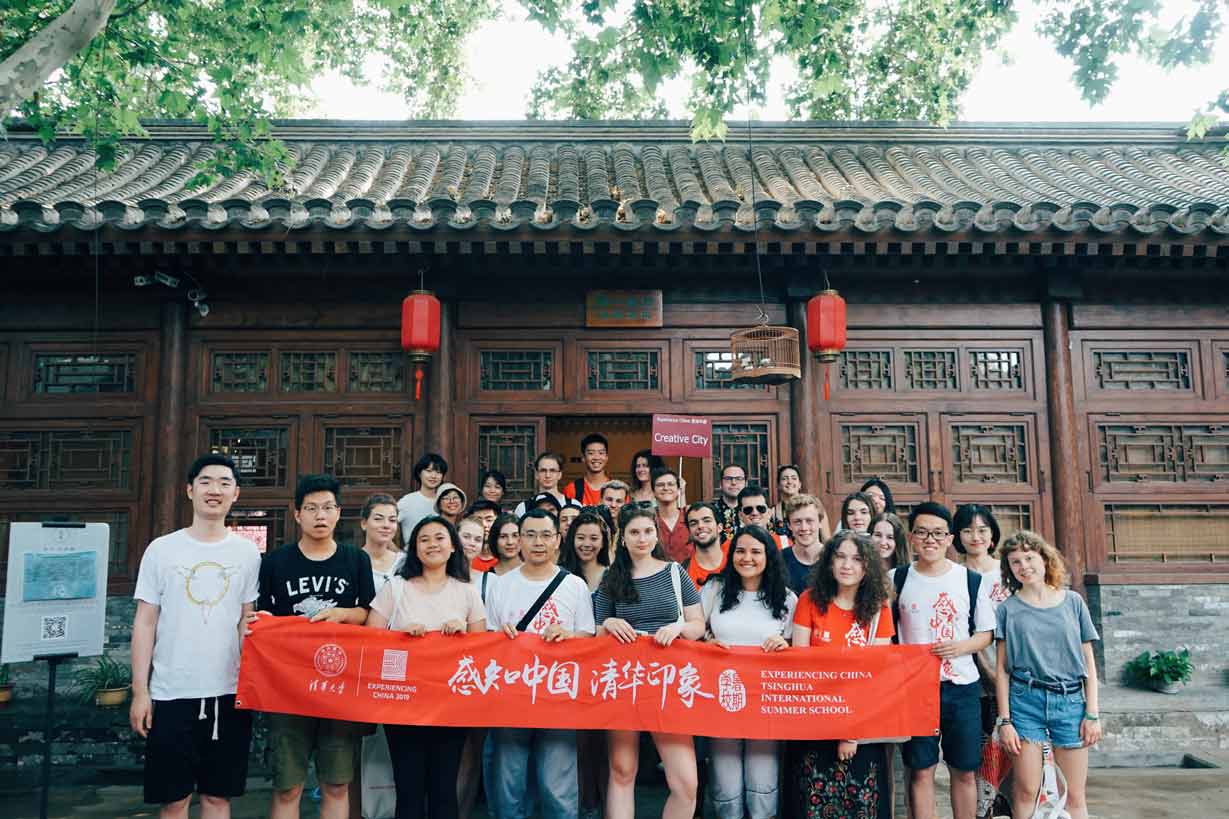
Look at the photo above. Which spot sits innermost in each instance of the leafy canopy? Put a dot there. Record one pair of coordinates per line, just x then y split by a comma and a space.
234, 65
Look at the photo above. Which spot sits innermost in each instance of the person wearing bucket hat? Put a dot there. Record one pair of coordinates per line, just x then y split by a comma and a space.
450, 503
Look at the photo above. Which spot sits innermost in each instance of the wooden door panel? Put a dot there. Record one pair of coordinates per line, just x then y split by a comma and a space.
890, 446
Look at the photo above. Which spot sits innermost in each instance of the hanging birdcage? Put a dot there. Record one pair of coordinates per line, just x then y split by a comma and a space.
766, 355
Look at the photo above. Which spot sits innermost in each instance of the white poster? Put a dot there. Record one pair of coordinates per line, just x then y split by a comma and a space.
56, 597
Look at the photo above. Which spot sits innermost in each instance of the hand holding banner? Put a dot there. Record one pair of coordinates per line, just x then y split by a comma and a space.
368, 675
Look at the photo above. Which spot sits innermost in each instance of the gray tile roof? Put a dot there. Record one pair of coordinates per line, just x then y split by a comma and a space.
645, 179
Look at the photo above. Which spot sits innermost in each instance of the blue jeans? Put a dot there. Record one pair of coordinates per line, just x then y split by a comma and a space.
745, 777
550, 754
1042, 716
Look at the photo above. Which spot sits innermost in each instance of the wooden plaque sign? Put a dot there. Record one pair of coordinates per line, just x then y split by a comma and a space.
623, 308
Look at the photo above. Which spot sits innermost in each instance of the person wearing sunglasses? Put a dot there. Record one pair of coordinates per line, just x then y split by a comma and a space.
753, 510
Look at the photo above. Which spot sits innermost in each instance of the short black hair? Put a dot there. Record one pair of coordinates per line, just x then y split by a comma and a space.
545, 497
933, 509
603, 512
493, 475
212, 459
535, 513
316, 483
657, 474
430, 459
696, 506
889, 505
963, 519
739, 466
752, 491
593, 438
481, 505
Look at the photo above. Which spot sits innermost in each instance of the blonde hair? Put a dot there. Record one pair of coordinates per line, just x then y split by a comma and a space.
1026, 541
798, 501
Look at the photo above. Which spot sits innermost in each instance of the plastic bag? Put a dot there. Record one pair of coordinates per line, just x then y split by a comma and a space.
1052, 796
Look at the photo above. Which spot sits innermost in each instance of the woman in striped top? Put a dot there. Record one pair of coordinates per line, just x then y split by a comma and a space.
643, 593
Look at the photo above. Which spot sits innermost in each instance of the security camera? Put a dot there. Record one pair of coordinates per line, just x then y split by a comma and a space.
167, 279
142, 281
202, 308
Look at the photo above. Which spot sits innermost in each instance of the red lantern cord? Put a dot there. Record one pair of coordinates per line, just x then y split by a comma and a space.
417, 382
827, 391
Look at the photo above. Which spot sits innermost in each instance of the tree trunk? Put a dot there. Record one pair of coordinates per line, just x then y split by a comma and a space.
27, 68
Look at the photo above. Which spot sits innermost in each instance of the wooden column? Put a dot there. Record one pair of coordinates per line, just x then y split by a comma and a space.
804, 408
172, 397
1064, 443
439, 386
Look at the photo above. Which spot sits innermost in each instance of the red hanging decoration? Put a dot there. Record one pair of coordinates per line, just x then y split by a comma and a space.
826, 330
420, 331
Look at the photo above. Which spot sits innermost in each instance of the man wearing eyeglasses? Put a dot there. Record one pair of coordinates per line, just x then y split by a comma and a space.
733, 481
942, 604
753, 511
323, 581
537, 598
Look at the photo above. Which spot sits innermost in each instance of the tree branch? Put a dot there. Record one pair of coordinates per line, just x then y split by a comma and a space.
27, 68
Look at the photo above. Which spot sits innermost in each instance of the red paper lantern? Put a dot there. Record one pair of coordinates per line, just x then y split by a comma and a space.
420, 331
826, 330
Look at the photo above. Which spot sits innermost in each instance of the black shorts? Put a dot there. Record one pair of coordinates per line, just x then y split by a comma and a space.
182, 756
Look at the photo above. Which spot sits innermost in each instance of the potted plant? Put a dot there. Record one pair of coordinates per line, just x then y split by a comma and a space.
6, 686
106, 682
1163, 671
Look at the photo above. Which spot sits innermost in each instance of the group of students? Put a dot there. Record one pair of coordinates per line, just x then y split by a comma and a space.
597, 561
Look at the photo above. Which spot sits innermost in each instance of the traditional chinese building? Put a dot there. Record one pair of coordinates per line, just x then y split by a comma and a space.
1038, 321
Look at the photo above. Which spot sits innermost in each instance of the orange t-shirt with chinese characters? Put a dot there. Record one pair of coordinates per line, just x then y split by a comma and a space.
700, 575
593, 494
837, 627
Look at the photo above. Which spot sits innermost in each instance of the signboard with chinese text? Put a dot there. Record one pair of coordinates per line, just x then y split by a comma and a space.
689, 436
623, 308
374, 675
56, 595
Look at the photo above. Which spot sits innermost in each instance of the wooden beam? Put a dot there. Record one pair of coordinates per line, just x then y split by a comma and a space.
439, 389
1064, 444
804, 407
172, 398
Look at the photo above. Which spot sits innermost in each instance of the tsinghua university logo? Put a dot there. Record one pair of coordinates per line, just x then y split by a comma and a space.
330, 659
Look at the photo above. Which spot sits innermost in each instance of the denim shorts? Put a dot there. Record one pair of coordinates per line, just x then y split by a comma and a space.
1043, 716
959, 731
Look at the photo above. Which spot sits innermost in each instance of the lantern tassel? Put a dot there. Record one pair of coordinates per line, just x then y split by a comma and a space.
827, 389
417, 382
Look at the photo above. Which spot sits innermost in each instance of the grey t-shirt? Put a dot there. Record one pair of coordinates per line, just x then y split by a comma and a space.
1046, 644
657, 607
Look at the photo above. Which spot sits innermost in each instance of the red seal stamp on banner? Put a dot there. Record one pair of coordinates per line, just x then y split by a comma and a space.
330, 659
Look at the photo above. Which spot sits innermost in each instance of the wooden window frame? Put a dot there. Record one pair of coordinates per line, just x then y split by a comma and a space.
837, 485
472, 371
1087, 389
584, 346
693, 393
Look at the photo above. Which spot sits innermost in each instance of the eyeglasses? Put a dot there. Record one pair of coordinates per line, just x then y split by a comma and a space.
930, 534
534, 537
750, 510
311, 508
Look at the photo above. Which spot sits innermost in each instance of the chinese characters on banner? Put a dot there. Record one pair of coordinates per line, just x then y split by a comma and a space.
368, 675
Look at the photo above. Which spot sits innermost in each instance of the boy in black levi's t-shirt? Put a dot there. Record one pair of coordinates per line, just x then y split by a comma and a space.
318, 579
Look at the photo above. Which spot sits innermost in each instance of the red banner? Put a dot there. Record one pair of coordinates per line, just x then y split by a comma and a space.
369, 675
690, 436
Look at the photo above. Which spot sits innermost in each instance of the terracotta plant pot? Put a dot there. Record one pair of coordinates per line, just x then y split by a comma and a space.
6, 694
110, 697
1165, 687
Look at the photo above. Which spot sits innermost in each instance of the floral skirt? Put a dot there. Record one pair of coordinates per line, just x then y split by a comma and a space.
825, 788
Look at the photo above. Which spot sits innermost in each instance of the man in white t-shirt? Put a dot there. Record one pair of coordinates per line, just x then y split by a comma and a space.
567, 612
194, 589
933, 608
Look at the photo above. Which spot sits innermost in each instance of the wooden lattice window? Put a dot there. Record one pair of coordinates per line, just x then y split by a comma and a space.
364, 456
866, 370
746, 444
624, 370
509, 448
239, 371
377, 371
996, 370
308, 371
932, 370
261, 453
990, 453
66, 459
1172, 453
264, 527
873, 450
714, 371
117, 545
1142, 370
84, 373
1167, 533
516, 370
1012, 517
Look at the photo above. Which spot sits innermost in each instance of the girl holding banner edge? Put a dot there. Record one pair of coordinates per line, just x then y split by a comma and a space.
748, 604
431, 592
644, 593
845, 604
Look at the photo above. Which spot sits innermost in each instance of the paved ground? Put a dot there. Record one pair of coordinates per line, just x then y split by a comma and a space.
1126, 793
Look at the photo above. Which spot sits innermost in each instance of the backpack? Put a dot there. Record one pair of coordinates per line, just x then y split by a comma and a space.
901, 574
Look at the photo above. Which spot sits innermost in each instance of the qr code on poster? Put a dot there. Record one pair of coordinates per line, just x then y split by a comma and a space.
55, 628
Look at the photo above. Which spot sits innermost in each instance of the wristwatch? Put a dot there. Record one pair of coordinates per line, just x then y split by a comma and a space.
1001, 721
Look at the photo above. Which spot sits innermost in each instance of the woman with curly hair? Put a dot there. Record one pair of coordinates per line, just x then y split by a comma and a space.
748, 604
844, 605
1046, 678
644, 593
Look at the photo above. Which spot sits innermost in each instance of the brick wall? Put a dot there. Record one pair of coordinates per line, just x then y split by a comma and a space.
1155, 617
